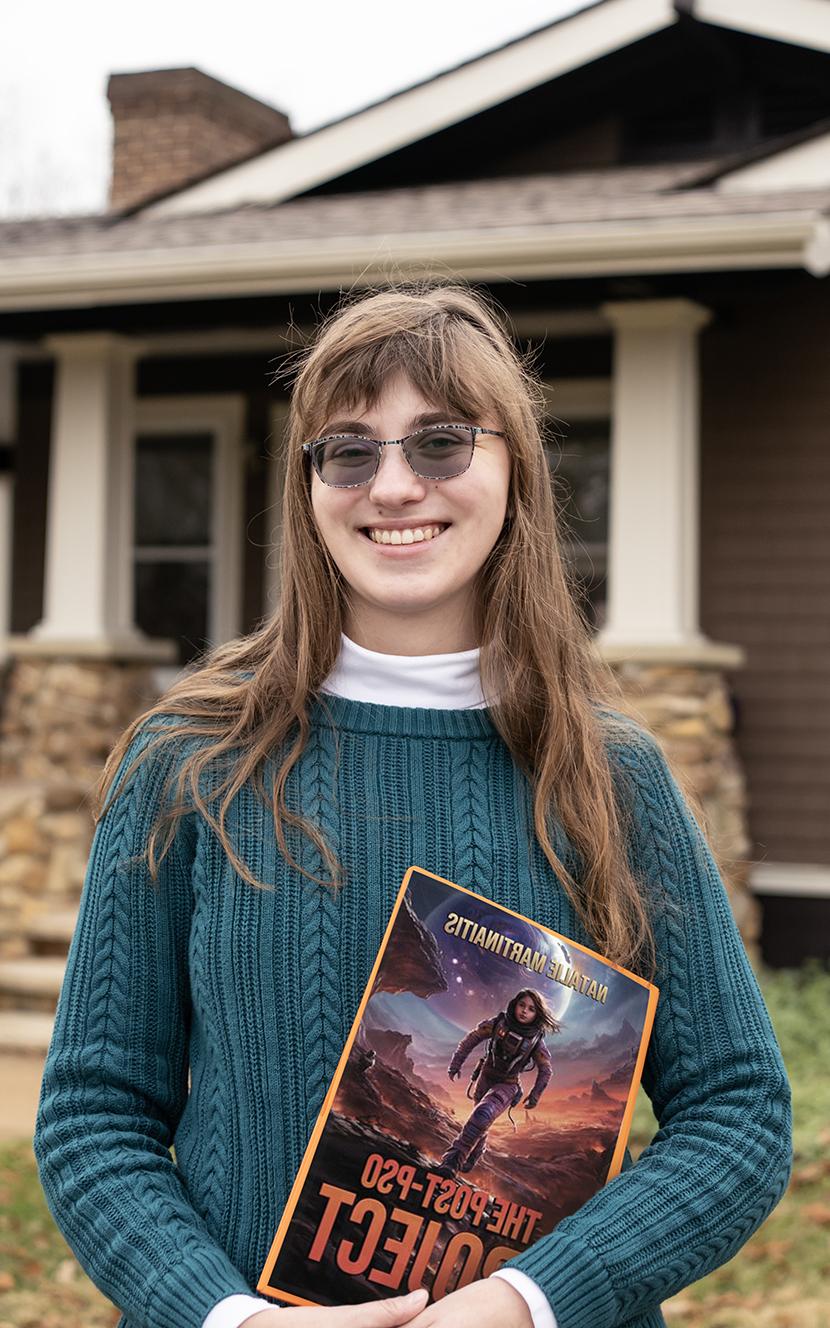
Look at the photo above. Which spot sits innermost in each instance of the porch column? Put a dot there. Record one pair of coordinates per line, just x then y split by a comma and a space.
653, 517
674, 675
88, 593
84, 670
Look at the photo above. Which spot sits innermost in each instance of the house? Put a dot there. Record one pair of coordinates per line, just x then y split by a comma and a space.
645, 187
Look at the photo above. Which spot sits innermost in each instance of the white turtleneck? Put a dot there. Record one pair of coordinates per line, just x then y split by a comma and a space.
437, 682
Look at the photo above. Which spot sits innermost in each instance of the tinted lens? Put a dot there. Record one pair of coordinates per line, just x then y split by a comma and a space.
346, 460
438, 454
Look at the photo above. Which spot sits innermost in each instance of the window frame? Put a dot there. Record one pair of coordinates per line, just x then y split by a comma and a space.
223, 418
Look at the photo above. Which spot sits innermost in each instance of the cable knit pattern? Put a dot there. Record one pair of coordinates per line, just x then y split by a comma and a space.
320, 941
255, 990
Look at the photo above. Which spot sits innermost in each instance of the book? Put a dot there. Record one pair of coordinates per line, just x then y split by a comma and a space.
485, 1092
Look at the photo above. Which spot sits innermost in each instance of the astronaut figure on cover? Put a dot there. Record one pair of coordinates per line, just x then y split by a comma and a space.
515, 1043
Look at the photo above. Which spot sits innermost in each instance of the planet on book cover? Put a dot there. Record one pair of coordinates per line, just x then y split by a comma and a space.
485, 1092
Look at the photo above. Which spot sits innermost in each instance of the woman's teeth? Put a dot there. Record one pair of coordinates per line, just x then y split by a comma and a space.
415, 536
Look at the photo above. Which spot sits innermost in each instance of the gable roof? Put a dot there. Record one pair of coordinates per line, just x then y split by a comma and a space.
478, 84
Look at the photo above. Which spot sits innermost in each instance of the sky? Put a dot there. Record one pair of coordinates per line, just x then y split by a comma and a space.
315, 61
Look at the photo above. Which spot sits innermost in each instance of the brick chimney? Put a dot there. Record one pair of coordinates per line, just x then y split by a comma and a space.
175, 126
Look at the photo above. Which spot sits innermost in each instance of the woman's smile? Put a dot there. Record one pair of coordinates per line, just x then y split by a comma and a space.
401, 540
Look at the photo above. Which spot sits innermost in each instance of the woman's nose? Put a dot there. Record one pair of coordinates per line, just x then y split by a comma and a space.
395, 481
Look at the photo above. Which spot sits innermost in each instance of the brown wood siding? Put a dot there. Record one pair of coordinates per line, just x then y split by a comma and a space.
765, 554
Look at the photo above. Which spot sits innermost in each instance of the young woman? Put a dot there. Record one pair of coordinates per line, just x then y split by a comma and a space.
515, 1040
427, 693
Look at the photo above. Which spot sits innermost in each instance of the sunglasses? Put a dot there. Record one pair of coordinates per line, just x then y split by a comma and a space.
438, 452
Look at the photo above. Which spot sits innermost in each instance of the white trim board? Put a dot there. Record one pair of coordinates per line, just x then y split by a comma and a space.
279, 338
574, 399
800, 879
800, 22
417, 112
786, 239
802, 166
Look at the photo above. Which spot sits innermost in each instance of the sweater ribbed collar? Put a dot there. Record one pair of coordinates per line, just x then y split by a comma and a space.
405, 695
326, 710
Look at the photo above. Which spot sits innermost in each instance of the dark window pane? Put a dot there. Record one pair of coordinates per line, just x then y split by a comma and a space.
579, 460
171, 600
173, 489
579, 463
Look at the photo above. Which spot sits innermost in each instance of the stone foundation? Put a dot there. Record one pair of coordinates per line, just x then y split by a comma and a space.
60, 716
687, 708
59, 720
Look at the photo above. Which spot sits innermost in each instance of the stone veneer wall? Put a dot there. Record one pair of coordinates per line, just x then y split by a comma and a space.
60, 718
687, 708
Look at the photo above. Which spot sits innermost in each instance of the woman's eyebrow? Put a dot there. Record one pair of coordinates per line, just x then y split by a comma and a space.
417, 422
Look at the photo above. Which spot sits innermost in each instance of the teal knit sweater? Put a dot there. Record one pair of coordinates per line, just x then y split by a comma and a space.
254, 991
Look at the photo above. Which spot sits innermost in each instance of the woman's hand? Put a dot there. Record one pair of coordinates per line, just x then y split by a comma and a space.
369, 1314
490, 1302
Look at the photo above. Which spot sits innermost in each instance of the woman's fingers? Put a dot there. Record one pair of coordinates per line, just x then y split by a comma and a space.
384, 1313
370, 1314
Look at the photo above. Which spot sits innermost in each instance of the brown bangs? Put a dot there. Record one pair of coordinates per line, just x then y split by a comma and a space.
444, 358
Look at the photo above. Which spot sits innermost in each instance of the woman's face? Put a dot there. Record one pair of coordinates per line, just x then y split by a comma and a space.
416, 597
525, 1010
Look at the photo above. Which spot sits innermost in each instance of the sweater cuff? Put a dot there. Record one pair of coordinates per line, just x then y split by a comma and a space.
190, 1291
574, 1281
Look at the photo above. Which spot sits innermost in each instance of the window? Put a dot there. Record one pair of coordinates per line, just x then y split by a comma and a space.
173, 541
578, 446
187, 522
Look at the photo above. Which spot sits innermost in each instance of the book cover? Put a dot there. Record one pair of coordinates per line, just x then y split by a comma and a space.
484, 1093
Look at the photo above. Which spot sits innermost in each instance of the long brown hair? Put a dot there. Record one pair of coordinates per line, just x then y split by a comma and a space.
541, 675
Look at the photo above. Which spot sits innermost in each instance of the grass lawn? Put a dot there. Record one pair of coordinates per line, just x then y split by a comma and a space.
780, 1279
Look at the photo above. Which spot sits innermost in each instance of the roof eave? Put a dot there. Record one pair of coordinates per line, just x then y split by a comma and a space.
775, 240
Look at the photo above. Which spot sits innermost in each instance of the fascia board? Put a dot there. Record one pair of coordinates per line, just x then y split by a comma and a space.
800, 22
777, 240
330, 151
803, 166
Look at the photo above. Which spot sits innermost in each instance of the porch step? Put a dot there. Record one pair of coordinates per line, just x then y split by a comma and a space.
31, 984
51, 933
25, 1031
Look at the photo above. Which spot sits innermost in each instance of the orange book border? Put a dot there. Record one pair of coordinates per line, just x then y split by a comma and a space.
263, 1285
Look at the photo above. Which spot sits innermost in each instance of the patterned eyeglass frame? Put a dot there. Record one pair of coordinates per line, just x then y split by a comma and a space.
474, 429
